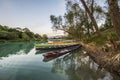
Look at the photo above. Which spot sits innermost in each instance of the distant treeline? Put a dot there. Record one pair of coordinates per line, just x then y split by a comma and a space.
19, 34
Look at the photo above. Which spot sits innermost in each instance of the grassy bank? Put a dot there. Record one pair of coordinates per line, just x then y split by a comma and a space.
102, 40
105, 56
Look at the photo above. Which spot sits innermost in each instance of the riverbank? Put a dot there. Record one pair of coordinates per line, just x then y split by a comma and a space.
105, 58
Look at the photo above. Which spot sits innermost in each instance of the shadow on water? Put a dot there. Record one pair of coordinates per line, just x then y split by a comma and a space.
79, 66
12, 48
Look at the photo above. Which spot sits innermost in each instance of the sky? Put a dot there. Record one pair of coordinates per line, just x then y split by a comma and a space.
32, 14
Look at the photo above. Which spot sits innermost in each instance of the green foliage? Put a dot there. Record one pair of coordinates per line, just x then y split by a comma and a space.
69, 17
97, 40
18, 34
57, 22
29, 33
37, 37
44, 37
3, 28
104, 38
77, 22
98, 9
72, 22
8, 35
108, 23
25, 37
12, 30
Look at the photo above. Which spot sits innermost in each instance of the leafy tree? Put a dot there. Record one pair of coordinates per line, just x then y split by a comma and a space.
91, 16
77, 21
4, 28
12, 36
28, 32
38, 37
7, 33
25, 37
71, 20
108, 22
115, 15
13, 30
44, 37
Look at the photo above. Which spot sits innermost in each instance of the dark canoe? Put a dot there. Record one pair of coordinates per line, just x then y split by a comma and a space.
60, 52
53, 47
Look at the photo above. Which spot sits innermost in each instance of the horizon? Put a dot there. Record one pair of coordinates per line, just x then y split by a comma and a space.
34, 15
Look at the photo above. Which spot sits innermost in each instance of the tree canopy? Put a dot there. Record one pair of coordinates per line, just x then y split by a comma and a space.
84, 18
7, 33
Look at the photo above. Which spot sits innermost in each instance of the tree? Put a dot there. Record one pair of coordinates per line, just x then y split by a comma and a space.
115, 15
4, 28
37, 36
45, 37
108, 22
58, 25
28, 32
73, 20
76, 21
25, 36
91, 16
8, 35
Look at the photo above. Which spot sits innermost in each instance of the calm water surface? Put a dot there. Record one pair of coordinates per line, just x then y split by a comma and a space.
20, 61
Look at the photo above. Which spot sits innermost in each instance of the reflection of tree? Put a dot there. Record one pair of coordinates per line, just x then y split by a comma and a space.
57, 67
27, 46
77, 66
12, 48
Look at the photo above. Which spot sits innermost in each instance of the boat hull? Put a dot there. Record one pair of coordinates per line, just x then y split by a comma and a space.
60, 52
55, 47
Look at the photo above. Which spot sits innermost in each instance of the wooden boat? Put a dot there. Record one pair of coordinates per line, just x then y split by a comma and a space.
61, 51
55, 46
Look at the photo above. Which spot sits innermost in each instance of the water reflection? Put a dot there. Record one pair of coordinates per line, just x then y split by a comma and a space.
79, 66
14, 48
24, 64
20, 61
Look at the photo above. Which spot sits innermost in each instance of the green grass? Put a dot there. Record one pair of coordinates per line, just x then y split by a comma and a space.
104, 38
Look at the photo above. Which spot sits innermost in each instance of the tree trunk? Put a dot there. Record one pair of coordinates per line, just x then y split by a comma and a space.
91, 17
115, 15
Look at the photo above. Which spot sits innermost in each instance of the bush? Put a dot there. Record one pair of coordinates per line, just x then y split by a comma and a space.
104, 38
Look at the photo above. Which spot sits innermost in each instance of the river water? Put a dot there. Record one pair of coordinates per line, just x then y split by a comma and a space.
20, 61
